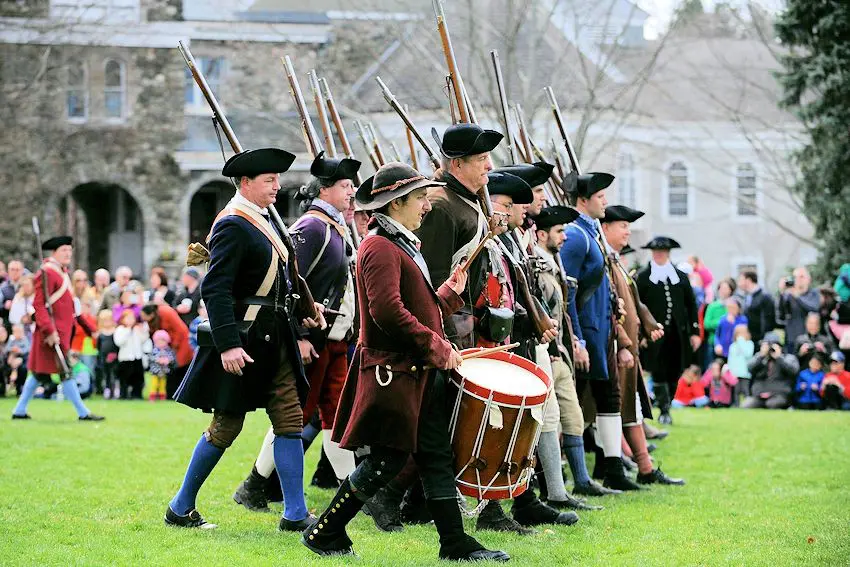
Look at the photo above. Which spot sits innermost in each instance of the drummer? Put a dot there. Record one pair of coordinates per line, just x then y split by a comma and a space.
392, 378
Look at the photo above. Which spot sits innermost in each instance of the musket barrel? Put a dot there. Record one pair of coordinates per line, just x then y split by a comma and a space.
559, 121
337, 121
310, 136
330, 147
503, 105
390, 98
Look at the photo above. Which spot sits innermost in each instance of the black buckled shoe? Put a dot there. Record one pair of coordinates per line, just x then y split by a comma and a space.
530, 511
572, 503
593, 488
468, 549
657, 476
654, 433
384, 509
413, 509
251, 492
91, 417
493, 518
324, 477
665, 418
651, 447
296, 525
192, 519
327, 536
615, 476
25, 416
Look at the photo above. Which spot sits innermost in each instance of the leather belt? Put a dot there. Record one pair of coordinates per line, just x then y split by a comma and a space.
266, 301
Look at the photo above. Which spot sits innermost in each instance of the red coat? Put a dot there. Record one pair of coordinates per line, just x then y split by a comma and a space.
687, 393
401, 331
42, 358
170, 322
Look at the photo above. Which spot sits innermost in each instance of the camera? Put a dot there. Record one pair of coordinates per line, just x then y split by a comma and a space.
789, 281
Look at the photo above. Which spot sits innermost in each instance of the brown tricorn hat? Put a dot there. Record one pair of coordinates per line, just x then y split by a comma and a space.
391, 181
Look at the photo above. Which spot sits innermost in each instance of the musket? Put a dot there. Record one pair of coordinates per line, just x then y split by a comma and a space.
558, 162
396, 153
337, 121
414, 161
555, 180
57, 347
305, 300
451, 61
361, 133
390, 98
376, 144
559, 121
503, 106
449, 91
330, 147
527, 151
311, 138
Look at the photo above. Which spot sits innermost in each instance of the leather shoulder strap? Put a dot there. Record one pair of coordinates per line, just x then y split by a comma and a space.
259, 223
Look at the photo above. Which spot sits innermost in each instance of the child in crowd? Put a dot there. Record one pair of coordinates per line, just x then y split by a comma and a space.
726, 327
809, 385
107, 355
130, 337
4, 366
130, 300
193, 326
16, 353
835, 388
690, 390
741, 351
721, 384
81, 374
162, 363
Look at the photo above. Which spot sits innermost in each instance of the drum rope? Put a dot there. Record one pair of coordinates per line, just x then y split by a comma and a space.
512, 444
456, 409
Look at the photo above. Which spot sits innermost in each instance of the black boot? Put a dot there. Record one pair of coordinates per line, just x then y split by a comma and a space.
271, 488
327, 535
528, 510
493, 518
662, 398
615, 476
384, 509
455, 544
251, 492
413, 509
593, 488
598, 463
324, 477
572, 503
657, 476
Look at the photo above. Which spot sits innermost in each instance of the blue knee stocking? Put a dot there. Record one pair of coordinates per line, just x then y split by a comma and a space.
574, 448
204, 460
289, 462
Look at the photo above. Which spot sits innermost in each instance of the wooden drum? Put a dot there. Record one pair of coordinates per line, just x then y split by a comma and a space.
495, 423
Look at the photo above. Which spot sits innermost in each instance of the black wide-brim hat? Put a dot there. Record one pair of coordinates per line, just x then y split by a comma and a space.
534, 174
627, 249
499, 183
661, 243
466, 139
252, 163
586, 184
331, 170
391, 181
555, 215
616, 213
57, 241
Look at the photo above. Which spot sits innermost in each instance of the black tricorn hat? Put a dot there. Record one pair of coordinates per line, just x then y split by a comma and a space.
500, 183
465, 139
391, 181
56, 242
533, 173
552, 216
331, 170
252, 163
586, 184
616, 213
627, 249
661, 243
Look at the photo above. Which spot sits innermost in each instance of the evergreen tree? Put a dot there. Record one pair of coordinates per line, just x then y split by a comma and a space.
816, 83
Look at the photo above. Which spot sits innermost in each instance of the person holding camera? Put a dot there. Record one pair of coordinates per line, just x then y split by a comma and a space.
774, 374
796, 300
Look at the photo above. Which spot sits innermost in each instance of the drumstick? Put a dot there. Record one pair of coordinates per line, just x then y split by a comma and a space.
477, 251
486, 351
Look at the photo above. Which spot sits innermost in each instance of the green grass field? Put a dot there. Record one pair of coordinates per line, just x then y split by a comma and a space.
764, 488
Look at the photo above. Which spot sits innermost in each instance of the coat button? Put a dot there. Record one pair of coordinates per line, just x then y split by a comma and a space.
389, 367
268, 338
413, 369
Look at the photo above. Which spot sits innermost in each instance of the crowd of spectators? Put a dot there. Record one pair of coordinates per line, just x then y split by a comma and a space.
763, 350
142, 343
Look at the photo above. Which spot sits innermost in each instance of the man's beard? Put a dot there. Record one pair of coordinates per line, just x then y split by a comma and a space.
551, 247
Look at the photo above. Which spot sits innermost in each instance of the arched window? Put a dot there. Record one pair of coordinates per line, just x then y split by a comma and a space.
77, 93
678, 191
747, 193
114, 89
626, 180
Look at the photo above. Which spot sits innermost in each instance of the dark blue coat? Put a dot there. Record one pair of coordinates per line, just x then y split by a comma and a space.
240, 256
589, 303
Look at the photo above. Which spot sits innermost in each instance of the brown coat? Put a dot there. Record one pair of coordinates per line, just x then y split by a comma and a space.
401, 332
638, 319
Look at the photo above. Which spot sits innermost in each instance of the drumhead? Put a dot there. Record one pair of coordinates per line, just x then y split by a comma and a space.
503, 377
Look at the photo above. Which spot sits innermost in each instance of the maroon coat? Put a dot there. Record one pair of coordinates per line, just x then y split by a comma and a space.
401, 331
42, 358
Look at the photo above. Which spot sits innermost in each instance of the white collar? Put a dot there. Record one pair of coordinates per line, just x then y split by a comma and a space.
241, 200
403, 229
666, 272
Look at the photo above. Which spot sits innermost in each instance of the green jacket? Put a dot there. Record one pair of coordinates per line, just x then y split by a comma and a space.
715, 311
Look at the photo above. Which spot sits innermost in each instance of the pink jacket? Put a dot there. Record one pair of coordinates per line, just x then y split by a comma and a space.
720, 392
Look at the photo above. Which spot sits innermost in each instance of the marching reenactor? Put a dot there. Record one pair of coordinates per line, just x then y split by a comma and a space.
669, 296
248, 356
53, 330
394, 399
325, 254
638, 322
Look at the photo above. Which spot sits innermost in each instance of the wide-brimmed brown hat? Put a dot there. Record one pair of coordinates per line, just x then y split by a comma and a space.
391, 181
